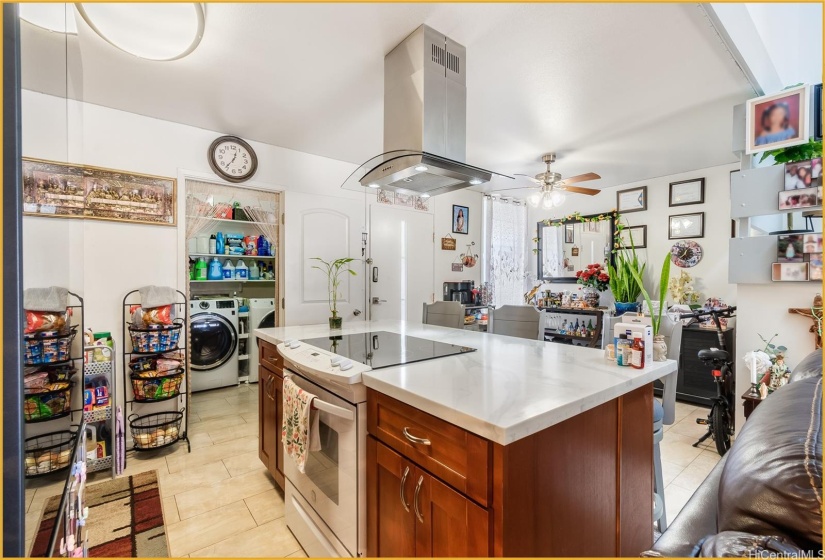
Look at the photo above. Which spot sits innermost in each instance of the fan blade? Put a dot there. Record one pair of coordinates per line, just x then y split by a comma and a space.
579, 178
524, 188
536, 181
580, 190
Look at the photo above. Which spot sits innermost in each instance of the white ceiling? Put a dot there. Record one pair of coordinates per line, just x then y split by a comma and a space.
630, 91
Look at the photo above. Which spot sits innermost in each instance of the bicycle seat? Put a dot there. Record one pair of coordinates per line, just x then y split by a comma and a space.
713, 355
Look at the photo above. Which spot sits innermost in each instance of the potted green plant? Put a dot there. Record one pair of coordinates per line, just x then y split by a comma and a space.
334, 270
659, 345
622, 283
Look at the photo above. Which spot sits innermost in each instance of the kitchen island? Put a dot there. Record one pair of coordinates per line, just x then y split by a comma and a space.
520, 448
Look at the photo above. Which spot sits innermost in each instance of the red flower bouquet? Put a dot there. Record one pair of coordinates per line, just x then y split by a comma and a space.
594, 276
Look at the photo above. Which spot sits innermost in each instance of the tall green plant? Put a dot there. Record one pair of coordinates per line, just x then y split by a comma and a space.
656, 320
333, 270
624, 287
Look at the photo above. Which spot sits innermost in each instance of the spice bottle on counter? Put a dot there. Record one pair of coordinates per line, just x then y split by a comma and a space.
637, 358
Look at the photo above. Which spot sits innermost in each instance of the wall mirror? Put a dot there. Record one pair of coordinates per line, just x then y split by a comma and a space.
571, 243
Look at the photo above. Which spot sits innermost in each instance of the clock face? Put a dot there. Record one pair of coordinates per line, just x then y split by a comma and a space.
233, 159
686, 254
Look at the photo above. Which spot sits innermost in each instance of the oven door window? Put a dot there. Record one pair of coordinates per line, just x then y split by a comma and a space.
322, 465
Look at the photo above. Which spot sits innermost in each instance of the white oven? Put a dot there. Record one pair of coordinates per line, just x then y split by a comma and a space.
326, 505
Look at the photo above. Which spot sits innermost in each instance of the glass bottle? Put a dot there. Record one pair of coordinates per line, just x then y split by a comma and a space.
637, 358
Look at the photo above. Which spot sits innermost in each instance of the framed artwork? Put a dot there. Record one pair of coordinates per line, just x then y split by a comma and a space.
457, 267
83, 191
777, 121
448, 243
812, 243
790, 272
593, 227
815, 266
461, 219
685, 226
685, 193
803, 174
801, 198
631, 200
407, 200
385, 197
569, 233
789, 248
637, 235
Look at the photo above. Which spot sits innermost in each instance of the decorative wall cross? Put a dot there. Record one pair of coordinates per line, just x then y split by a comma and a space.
815, 314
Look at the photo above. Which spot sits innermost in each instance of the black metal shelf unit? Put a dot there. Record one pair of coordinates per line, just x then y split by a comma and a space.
156, 430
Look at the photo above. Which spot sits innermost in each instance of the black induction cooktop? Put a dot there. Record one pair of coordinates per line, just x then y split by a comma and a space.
382, 349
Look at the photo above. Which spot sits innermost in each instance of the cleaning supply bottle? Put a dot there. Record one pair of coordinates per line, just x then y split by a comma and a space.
215, 270
228, 270
213, 244
200, 269
263, 250
241, 271
254, 271
220, 243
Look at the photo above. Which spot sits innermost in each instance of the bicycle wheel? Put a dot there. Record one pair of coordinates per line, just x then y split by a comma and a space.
720, 417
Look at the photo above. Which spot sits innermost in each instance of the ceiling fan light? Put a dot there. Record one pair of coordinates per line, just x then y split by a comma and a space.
547, 202
557, 197
534, 200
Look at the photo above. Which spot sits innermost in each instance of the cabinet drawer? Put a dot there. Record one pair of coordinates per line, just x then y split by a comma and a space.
269, 356
456, 456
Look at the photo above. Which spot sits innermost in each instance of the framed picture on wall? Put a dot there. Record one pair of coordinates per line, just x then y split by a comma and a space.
777, 121
52, 188
631, 200
461, 219
684, 193
803, 174
686, 226
635, 235
790, 272
569, 233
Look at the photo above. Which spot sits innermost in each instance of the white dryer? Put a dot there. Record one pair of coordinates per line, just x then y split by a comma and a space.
214, 343
261, 316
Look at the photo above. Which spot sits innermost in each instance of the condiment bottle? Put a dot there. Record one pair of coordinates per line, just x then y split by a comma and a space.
637, 359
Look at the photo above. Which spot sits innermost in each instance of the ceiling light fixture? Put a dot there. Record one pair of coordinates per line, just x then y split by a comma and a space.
420, 167
373, 185
52, 17
154, 31
546, 199
424, 195
475, 181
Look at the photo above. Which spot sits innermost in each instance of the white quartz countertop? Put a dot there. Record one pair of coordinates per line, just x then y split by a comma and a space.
508, 389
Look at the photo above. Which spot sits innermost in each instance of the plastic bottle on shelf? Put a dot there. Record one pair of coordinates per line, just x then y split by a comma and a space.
228, 270
200, 269
215, 270
254, 271
263, 246
213, 244
220, 243
241, 270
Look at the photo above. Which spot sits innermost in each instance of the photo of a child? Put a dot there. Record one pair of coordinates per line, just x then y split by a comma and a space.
778, 120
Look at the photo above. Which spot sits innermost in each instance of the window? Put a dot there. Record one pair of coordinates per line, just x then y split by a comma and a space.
504, 244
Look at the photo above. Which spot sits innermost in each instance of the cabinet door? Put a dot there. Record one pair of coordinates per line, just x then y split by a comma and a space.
264, 412
446, 523
278, 396
390, 520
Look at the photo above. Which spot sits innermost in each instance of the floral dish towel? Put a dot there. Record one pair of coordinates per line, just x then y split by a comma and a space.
299, 433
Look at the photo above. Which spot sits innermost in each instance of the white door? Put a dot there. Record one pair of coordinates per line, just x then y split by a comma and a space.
330, 228
401, 273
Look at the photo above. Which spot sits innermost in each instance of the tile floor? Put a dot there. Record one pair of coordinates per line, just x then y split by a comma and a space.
220, 501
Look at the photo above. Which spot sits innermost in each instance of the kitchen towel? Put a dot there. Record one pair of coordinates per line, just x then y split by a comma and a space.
299, 433
46, 299
155, 296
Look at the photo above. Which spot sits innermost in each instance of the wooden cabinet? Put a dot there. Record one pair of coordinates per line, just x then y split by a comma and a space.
412, 513
270, 413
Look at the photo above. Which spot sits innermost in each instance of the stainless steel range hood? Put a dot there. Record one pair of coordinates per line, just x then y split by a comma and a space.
425, 117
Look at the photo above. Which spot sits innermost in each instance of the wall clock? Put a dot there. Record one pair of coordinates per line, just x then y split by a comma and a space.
686, 254
233, 159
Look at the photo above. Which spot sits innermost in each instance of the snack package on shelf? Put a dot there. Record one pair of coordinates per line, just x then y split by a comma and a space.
163, 315
38, 321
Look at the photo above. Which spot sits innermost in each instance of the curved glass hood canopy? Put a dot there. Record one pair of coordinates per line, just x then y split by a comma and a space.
416, 173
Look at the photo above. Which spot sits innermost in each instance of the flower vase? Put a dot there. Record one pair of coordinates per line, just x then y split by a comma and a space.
591, 296
659, 348
626, 307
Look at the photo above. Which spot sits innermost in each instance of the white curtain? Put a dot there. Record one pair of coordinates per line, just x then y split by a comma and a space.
552, 251
505, 238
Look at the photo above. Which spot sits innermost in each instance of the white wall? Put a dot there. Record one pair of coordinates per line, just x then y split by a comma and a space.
442, 207
711, 272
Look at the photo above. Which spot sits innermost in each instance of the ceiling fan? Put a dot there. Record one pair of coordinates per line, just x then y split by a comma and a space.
552, 188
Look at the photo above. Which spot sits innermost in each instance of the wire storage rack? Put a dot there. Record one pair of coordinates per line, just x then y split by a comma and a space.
99, 371
155, 370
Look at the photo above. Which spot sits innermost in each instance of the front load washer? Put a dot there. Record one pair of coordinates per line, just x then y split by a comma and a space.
261, 316
214, 343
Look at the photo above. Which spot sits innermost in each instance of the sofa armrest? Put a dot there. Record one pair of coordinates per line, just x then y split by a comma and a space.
696, 520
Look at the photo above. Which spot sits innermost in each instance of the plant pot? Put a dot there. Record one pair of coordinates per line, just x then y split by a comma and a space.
659, 348
626, 307
591, 296
335, 322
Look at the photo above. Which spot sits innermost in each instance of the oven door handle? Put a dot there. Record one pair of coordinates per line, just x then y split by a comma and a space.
335, 410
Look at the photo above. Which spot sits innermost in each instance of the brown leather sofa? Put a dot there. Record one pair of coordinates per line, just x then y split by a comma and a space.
766, 493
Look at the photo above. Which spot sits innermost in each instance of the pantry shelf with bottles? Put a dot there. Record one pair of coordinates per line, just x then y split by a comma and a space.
579, 327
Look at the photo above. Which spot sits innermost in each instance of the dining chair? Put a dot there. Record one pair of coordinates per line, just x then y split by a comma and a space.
444, 314
523, 321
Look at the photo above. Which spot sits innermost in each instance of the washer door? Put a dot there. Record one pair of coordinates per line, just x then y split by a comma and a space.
268, 321
214, 340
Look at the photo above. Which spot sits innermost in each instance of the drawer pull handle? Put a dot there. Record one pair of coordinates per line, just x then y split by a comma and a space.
415, 499
412, 438
403, 483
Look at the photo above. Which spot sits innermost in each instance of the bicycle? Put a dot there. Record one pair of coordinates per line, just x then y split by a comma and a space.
720, 418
